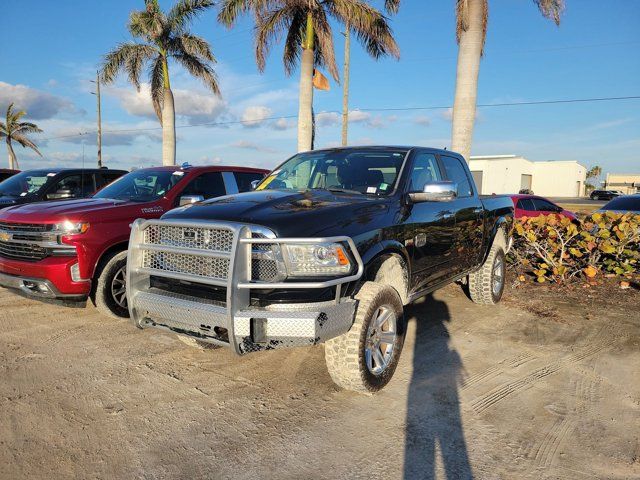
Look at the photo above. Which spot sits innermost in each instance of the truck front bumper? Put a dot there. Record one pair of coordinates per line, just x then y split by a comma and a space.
48, 278
235, 322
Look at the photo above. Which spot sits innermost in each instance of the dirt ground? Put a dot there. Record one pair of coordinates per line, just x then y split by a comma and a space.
535, 388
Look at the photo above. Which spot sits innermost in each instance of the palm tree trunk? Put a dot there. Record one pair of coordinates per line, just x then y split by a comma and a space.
345, 87
464, 105
305, 115
13, 160
168, 129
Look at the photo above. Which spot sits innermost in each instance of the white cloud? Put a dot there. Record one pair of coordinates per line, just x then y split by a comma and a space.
255, 116
253, 146
422, 120
39, 105
282, 124
326, 119
112, 134
192, 105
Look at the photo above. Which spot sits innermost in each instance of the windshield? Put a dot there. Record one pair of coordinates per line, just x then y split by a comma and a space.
24, 183
361, 171
142, 186
630, 203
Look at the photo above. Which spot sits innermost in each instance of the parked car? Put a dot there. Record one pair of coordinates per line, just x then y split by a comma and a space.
623, 204
77, 249
6, 173
534, 206
329, 248
603, 194
54, 184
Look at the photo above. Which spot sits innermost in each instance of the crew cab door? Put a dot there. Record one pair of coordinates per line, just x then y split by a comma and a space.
428, 226
468, 212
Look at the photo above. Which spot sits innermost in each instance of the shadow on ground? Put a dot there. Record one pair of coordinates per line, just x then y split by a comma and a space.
434, 431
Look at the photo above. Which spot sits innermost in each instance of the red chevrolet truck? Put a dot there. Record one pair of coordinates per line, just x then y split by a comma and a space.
77, 249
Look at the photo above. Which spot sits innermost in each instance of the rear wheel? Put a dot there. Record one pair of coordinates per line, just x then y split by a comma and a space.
111, 287
365, 358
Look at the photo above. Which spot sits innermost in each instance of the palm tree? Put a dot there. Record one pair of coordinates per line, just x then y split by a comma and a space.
309, 39
163, 36
391, 6
471, 32
12, 129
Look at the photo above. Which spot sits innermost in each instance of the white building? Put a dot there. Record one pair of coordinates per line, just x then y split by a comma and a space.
501, 174
627, 183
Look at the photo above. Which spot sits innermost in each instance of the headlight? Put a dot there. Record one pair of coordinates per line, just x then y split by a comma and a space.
316, 260
70, 228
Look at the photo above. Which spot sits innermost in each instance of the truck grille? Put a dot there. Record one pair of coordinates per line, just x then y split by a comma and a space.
206, 267
24, 227
216, 240
22, 251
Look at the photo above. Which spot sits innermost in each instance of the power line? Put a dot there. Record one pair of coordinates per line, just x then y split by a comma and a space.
387, 109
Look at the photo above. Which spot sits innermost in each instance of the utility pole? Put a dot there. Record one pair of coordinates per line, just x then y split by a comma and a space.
97, 94
345, 85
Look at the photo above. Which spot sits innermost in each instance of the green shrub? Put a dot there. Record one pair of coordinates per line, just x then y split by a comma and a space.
553, 248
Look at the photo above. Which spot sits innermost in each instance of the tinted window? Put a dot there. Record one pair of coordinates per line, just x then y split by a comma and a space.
425, 169
208, 185
106, 178
4, 176
458, 174
25, 183
544, 205
526, 204
72, 186
244, 179
631, 203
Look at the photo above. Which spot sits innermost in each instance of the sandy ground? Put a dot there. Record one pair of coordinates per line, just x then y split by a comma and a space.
520, 390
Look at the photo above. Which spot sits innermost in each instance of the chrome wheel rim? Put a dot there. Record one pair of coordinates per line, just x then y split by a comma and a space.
498, 275
381, 339
119, 287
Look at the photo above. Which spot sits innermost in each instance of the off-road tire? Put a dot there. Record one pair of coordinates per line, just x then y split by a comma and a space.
102, 297
481, 282
345, 355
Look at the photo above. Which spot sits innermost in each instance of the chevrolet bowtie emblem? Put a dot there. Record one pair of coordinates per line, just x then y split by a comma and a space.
5, 237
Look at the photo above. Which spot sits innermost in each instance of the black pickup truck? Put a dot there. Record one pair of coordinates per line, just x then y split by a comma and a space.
327, 249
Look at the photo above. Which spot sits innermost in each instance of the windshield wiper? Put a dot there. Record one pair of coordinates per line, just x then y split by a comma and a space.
343, 190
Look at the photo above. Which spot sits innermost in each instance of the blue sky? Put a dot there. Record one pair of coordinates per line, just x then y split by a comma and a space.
50, 51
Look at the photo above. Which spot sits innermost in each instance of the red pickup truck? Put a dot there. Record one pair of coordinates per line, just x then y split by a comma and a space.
76, 249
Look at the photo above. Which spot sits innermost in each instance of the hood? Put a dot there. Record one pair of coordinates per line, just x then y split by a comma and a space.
292, 214
49, 212
8, 201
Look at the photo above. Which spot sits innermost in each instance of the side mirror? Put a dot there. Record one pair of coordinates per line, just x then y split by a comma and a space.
255, 183
435, 192
60, 195
189, 199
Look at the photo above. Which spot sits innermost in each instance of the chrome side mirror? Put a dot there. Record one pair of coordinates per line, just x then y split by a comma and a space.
189, 199
255, 183
435, 192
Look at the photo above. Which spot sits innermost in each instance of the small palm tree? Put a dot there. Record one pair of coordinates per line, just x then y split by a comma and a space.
164, 36
13, 130
471, 33
309, 39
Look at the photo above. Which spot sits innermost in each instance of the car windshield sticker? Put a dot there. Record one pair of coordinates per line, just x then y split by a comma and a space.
178, 173
51, 174
372, 189
384, 186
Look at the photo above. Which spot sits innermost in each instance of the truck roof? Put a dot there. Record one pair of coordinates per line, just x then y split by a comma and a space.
211, 168
386, 147
69, 170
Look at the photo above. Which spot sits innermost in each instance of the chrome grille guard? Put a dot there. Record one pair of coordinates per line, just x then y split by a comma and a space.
238, 281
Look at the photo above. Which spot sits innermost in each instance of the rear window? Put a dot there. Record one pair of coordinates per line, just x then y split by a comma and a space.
244, 179
631, 204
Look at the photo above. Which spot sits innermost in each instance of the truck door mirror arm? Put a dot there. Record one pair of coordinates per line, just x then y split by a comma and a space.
189, 199
444, 191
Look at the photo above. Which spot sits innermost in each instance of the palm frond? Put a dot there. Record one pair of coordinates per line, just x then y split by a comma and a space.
462, 19
3, 130
293, 42
324, 54
551, 9
150, 23
371, 27
230, 10
199, 70
392, 6
191, 45
270, 27
184, 12
156, 76
128, 56
27, 127
26, 143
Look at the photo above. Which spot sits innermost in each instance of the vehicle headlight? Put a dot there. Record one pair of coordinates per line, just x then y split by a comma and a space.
316, 260
70, 228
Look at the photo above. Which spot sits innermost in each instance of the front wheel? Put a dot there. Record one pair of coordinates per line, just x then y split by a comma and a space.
365, 358
486, 285
110, 294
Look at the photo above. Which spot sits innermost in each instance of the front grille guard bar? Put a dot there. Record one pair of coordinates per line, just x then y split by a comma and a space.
239, 282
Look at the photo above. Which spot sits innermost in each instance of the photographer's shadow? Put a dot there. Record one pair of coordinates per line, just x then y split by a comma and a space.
433, 409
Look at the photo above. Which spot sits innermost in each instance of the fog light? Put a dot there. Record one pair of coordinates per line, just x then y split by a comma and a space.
75, 272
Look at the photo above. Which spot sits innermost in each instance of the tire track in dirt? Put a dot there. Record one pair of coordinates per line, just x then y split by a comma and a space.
495, 370
499, 393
